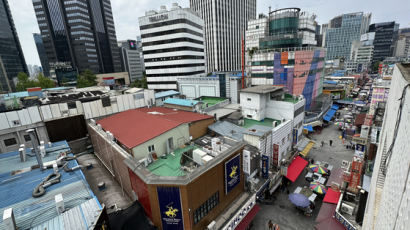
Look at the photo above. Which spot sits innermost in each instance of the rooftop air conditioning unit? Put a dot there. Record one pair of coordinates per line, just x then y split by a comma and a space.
347, 209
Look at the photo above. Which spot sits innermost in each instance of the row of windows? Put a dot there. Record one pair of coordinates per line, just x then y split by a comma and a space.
38, 6
206, 207
77, 8
173, 58
41, 18
172, 41
168, 23
79, 20
39, 12
81, 32
183, 48
174, 66
176, 74
75, 1
13, 141
167, 32
78, 14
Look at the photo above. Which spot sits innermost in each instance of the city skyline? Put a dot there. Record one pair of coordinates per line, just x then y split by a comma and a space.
126, 17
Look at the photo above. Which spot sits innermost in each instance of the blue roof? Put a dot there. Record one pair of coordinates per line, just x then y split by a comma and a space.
329, 115
308, 127
181, 102
15, 95
166, 93
331, 82
16, 187
335, 107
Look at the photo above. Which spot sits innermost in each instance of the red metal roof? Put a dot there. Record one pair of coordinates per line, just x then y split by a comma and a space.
175, 115
133, 127
136, 126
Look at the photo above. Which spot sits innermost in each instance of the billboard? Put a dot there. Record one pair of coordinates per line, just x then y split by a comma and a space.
275, 154
232, 173
169, 200
246, 162
295, 136
265, 166
132, 44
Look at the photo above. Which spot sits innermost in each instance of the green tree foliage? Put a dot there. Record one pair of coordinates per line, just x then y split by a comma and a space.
140, 83
375, 66
86, 79
24, 82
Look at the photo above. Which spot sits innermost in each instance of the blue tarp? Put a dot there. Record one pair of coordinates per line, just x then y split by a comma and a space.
308, 127
182, 102
335, 107
360, 102
329, 115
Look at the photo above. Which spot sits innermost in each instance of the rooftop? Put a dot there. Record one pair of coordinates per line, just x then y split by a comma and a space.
265, 122
291, 98
211, 101
18, 179
181, 102
262, 89
134, 127
228, 129
166, 93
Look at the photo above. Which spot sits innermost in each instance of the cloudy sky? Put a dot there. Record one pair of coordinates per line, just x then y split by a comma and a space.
126, 13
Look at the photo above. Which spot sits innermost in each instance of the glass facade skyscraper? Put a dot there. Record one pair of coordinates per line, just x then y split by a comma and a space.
386, 34
342, 31
79, 32
11, 56
42, 54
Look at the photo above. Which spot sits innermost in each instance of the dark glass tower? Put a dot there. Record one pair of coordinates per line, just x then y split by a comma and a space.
42, 54
80, 32
11, 56
386, 34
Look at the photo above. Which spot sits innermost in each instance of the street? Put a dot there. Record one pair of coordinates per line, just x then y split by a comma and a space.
283, 212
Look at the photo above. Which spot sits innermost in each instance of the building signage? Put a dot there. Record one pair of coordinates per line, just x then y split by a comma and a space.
295, 136
109, 81
246, 162
359, 140
360, 147
275, 154
283, 170
169, 200
157, 18
232, 173
265, 166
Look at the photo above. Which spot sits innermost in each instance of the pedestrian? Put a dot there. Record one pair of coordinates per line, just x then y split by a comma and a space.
330, 142
270, 224
322, 143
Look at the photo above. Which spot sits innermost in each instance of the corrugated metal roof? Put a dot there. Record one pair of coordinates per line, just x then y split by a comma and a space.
175, 115
228, 129
258, 130
16, 189
15, 95
166, 93
181, 102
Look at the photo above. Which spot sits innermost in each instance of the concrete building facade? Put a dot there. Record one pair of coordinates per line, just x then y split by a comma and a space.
130, 59
173, 46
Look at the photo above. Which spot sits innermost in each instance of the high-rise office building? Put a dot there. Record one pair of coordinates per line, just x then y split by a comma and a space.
42, 54
139, 48
80, 33
173, 46
342, 31
130, 59
225, 26
386, 34
11, 56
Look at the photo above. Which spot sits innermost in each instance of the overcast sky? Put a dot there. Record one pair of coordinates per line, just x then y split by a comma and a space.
126, 13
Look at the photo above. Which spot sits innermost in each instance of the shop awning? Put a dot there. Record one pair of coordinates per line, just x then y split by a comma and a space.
329, 115
308, 127
335, 107
246, 221
307, 149
295, 168
331, 196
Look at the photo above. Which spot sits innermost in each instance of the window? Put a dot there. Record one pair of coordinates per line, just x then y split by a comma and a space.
27, 138
206, 207
10, 142
71, 105
248, 99
151, 148
283, 141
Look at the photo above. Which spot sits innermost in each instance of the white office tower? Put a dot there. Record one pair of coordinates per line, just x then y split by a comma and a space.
225, 25
173, 45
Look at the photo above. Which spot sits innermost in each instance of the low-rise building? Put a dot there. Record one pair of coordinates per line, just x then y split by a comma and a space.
183, 104
160, 97
113, 79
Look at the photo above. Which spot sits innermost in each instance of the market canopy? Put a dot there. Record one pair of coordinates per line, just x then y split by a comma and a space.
307, 149
295, 168
332, 196
308, 127
248, 218
329, 115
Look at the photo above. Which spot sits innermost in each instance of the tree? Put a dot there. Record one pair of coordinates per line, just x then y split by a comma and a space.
86, 79
375, 67
45, 82
23, 82
140, 83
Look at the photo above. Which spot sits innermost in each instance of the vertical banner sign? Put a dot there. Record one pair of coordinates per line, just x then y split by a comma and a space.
171, 209
276, 154
360, 147
232, 173
265, 166
295, 136
246, 162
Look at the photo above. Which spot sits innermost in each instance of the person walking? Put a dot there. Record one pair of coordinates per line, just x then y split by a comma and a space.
322, 143
270, 224
330, 142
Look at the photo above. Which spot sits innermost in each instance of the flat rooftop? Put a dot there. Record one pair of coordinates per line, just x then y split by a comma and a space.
211, 101
290, 98
262, 89
265, 122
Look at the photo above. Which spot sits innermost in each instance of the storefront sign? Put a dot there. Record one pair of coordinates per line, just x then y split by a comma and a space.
158, 18
265, 166
170, 206
275, 154
295, 136
109, 80
360, 147
360, 140
232, 173
283, 170
246, 162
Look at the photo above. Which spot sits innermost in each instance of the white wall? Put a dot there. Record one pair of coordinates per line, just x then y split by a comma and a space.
282, 132
251, 105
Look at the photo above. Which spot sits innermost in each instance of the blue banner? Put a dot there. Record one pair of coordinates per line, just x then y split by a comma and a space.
232, 173
170, 206
360, 147
295, 136
265, 166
